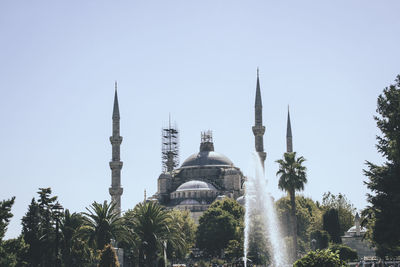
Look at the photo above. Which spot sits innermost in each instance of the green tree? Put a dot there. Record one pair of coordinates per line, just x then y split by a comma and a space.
345, 209
384, 180
101, 224
216, 228
151, 227
75, 251
320, 258
38, 229
293, 176
108, 257
222, 222
185, 224
234, 250
308, 216
13, 252
5, 215
331, 225
345, 253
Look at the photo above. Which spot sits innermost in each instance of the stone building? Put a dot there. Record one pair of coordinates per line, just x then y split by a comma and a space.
200, 179
354, 238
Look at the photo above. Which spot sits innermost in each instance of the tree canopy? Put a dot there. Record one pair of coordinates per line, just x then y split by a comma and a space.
384, 180
222, 222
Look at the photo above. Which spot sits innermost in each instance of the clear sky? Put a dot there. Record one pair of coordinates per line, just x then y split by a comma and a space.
328, 60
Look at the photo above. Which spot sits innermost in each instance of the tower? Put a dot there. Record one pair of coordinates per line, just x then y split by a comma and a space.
258, 128
116, 163
289, 144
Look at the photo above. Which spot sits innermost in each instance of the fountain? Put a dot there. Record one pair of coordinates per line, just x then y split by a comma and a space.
259, 204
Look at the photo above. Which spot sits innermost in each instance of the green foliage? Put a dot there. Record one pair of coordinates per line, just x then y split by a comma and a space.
75, 251
13, 252
231, 206
38, 229
216, 228
151, 227
331, 225
108, 257
384, 180
222, 222
185, 224
101, 224
345, 209
5, 215
308, 215
258, 247
234, 250
345, 253
320, 258
292, 173
321, 238
293, 176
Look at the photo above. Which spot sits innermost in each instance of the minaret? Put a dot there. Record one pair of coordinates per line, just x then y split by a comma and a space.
116, 163
289, 144
258, 128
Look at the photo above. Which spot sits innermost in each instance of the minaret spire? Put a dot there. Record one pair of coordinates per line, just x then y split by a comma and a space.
116, 107
116, 163
289, 144
258, 128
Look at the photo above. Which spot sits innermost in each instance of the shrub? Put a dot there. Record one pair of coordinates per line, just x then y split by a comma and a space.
325, 258
345, 252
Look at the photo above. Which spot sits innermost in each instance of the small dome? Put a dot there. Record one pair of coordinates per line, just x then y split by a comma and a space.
189, 202
221, 197
353, 230
241, 200
205, 158
195, 185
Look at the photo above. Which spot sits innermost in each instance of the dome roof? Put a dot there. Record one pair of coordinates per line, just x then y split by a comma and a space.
241, 200
353, 229
205, 158
195, 185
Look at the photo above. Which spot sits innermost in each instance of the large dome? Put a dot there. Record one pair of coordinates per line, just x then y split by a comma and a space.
195, 185
205, 158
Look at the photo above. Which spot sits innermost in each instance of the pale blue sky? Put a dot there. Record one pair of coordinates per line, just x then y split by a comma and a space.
329, 60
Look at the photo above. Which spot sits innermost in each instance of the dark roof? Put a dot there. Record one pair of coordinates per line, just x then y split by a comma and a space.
205, 158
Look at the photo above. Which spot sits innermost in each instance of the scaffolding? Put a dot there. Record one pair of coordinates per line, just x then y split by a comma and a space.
169, 148
206, 137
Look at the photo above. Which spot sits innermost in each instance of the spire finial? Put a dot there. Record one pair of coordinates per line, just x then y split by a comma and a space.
258, 91
116, 85
258, 72
289, 142
116, 107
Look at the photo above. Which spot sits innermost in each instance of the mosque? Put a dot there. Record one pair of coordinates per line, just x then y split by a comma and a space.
202, 178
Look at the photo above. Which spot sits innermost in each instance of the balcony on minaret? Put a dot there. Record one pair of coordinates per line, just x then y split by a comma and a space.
116, 165
115, 191
116, 140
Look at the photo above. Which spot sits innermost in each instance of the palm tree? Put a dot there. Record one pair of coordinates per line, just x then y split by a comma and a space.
75, 251
101, 224
152, 227
292, 178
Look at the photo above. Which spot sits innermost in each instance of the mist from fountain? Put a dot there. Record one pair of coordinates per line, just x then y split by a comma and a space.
258, 201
